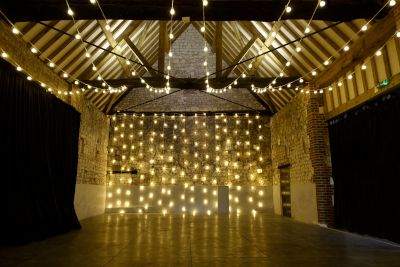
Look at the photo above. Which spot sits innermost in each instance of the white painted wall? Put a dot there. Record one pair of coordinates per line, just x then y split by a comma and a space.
304, 202
89, 200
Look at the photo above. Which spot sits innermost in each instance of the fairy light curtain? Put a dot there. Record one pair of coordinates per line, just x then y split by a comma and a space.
39, 135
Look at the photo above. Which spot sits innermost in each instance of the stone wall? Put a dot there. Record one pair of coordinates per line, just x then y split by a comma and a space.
299, 137
200, 150
188, 55
189, 101
93, 142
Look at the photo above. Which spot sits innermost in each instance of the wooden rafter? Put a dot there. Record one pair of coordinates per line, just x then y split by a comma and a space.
113, 43
139, 55
365, 46
267, 46
103, 55
266, 42
218, 48
162, 44
118, 97
240, 56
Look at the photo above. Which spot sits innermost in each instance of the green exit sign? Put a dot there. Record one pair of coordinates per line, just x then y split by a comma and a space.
382, 84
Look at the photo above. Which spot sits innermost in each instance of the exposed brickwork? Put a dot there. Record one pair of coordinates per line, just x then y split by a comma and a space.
93, 141
203, 154
93, 135
317, 130
188, 101
299, 137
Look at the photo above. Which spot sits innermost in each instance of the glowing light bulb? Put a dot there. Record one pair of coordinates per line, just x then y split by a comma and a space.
108, 27
78, 36
346, 48
87, 54
203, 29
171, 36
378, 53
4, 55
19, 68
392, 3
322, 3
170, 54
364, 67
15, 30
288, 9
70, 12
205, 2
398, 34
364, 28
172, 11
93, 1
34, 50
307, 30
298, 49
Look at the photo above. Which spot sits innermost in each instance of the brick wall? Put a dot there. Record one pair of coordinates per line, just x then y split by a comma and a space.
299, 137
188, 101
317, 130
211, 150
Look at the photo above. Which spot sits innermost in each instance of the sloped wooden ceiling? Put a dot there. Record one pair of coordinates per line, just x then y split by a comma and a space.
139, 39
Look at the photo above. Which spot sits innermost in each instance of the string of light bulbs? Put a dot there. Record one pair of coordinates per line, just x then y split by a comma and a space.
205, 49
344, 48
287, 9
53, 66
167, 88
320, 4
78, 36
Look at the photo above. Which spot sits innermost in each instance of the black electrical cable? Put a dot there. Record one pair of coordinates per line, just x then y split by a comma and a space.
229, 67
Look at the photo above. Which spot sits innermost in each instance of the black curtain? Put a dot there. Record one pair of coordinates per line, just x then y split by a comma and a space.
39, 145
365, 147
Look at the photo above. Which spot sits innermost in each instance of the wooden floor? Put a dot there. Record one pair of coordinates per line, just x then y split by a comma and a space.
174, 240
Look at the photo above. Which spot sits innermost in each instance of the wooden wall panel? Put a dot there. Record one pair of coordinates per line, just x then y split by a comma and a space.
362, 87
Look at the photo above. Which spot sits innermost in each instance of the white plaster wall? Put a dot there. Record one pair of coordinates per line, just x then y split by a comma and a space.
277, 199
304, 202
89, 200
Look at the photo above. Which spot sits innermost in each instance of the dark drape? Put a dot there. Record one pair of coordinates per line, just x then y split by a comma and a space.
39, 146
365, 147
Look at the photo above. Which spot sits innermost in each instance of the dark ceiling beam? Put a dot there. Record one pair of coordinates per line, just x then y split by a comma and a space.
227, 10
218, 48
162, 44
193, 83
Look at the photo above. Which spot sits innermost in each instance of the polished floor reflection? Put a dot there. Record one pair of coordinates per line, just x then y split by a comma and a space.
173, 240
